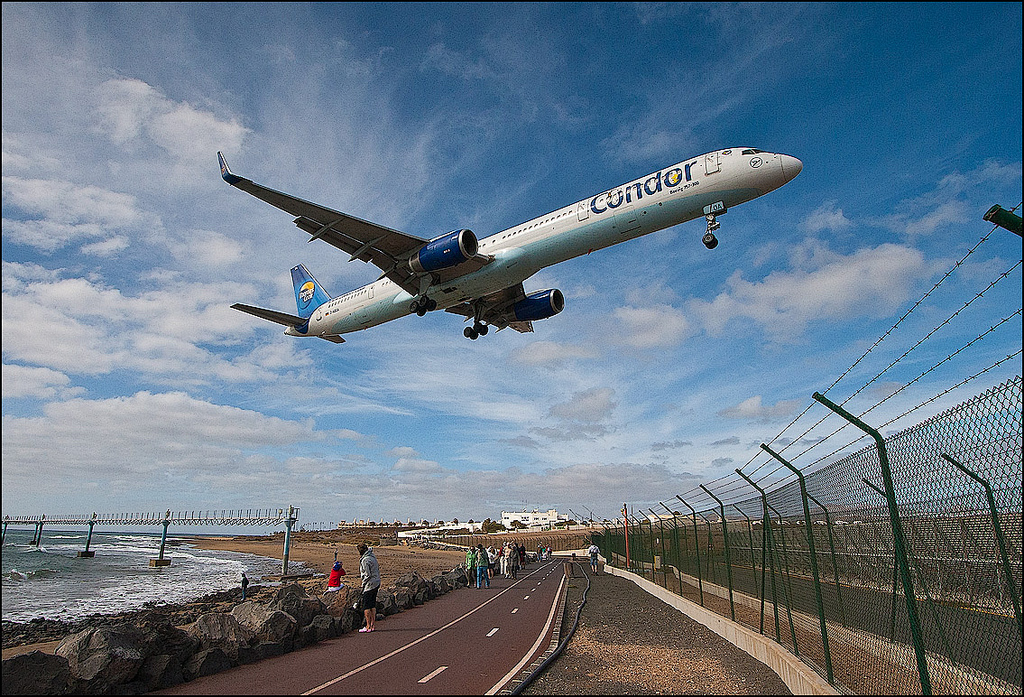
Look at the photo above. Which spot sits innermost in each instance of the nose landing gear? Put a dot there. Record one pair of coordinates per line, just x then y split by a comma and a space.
709, 239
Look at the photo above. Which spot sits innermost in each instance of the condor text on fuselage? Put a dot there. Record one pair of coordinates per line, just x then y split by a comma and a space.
482, 279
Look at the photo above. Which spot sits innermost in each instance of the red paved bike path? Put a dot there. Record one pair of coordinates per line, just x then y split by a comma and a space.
465, 642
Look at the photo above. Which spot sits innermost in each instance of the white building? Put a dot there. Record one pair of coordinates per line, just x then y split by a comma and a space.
534, 520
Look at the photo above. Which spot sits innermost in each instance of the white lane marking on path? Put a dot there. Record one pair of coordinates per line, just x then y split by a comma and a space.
411, 643
526, 597
551, 616
437, 672
515, 611
492, 632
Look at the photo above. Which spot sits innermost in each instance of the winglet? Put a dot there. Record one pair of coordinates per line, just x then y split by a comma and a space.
225, 172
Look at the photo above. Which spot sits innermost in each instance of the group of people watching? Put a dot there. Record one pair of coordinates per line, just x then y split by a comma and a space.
484, 564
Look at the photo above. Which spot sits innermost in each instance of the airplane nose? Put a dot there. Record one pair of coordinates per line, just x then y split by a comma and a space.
790, 167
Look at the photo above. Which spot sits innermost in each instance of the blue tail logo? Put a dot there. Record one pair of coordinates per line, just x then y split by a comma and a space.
309, 294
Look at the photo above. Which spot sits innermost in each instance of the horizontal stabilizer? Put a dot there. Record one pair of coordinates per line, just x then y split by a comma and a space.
271, 315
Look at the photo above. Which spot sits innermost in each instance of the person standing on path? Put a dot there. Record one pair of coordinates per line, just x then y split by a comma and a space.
593, 550
245, 584
482, 567
369, 571
470, 566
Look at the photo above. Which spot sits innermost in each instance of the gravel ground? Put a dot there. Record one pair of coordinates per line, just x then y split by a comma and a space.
629, 642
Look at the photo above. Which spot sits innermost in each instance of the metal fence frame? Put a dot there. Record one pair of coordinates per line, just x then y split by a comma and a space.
894, 570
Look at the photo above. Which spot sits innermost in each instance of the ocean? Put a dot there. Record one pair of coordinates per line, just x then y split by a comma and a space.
51, 581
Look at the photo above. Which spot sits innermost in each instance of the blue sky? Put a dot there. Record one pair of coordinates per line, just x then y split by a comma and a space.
130, 385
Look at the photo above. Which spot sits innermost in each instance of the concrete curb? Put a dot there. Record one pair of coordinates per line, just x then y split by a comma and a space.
799, 678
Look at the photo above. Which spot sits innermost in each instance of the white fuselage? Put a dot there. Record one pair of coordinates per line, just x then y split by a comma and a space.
662, 199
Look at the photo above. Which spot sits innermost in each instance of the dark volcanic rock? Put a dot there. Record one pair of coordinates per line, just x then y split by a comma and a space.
207, 662
293, 600
37, 673
222, 631
105, 656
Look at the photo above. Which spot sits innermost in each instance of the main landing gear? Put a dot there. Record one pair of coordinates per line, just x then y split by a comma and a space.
422, 306
477, 330
709, 239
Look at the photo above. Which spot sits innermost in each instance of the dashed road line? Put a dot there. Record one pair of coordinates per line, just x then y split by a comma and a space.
493, 632
434, 674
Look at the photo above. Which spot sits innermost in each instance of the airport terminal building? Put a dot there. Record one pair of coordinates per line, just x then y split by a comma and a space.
533, 520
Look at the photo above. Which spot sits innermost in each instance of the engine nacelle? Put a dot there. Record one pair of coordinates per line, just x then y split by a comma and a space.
539, 305
445, 251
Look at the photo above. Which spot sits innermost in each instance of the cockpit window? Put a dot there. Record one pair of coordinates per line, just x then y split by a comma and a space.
752, 151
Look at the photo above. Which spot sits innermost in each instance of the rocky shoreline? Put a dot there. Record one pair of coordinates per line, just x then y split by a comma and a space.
166, 645
44, 630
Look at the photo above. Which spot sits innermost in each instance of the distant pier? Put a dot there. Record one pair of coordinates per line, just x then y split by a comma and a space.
247, 517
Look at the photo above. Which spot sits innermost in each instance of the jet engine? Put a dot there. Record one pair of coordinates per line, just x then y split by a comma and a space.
445, 251
539, 305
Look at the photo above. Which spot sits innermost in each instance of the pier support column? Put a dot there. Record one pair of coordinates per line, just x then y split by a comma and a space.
289, 521
163, 541
87, 554
37, 538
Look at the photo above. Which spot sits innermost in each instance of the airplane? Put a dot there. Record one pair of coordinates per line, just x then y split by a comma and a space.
482, 279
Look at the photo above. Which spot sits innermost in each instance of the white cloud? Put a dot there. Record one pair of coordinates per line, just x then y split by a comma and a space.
590, 406
550, 353
753, 410
130, 110
142, 433
828, 216
870, 282
652, 326
39, 383
64, 213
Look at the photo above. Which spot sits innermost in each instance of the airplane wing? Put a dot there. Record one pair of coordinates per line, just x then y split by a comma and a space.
497, 309
387, 249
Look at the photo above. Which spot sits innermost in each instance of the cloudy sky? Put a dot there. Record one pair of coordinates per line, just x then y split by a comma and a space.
130, 385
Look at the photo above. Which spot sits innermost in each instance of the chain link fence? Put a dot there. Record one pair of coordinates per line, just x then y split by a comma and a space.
895, 570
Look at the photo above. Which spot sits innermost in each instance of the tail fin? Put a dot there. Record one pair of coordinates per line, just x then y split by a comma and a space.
309, 294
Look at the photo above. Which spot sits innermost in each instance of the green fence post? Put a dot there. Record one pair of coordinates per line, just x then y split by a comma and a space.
899, 539
787, 585
814, 559
835, 564
661, 527
1004, 557
750, 538
711, 548
895, 575
650, 549
696, 547
728, 559
675, 545
766, 556
626, 534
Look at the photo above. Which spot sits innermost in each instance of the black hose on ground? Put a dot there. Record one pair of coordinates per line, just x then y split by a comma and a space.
561, 645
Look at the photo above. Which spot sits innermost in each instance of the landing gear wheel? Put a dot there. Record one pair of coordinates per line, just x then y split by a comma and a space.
709, 240
422, 306
480, 328
470, 333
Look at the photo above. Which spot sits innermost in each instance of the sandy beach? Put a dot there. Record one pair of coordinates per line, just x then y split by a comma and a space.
315, 550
